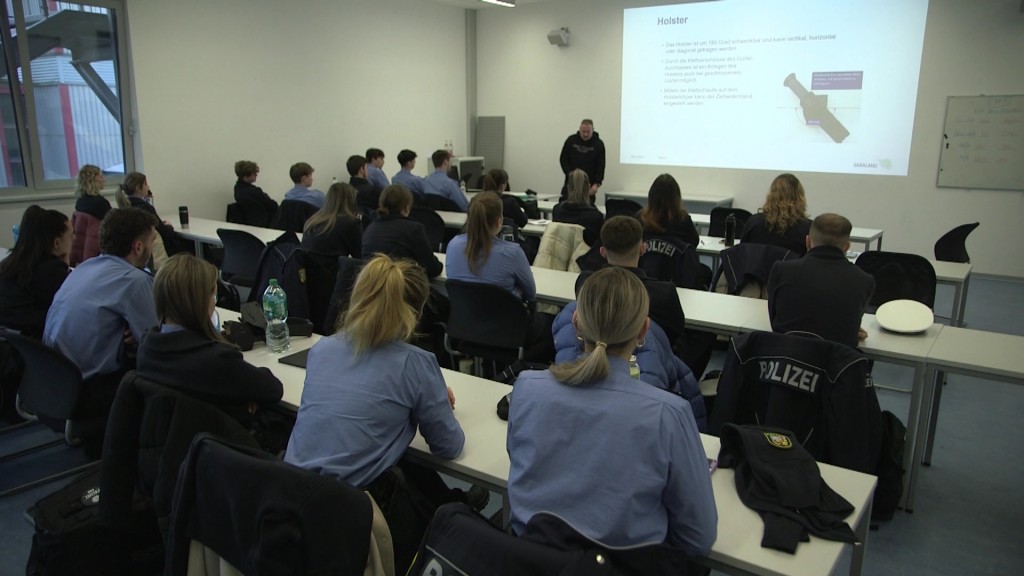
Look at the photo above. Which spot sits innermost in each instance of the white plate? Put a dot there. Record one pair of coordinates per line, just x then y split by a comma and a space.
904, 316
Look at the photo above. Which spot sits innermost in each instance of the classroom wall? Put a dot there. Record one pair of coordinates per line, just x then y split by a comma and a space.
283, 82
543, 91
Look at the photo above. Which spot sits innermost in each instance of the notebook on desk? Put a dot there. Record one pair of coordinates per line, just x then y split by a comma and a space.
298, 359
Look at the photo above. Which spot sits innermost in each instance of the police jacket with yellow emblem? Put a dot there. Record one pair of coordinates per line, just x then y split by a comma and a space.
820, 390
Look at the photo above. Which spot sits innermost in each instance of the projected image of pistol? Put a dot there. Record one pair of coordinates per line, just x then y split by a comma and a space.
816, 110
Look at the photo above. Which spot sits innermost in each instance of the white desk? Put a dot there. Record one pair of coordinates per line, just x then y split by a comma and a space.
456, 221
986, 355
959, 276
203, 230
485, 461
702, 203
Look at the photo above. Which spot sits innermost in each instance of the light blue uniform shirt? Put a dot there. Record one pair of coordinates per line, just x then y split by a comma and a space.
506, 266
307, 195
620, 461
358, 415
411, 181
439, 183
376, 176
100, 298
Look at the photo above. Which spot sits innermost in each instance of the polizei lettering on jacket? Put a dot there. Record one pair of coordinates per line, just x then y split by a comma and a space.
789, 374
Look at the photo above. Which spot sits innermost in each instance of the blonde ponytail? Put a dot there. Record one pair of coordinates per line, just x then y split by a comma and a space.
610, 314
386, 303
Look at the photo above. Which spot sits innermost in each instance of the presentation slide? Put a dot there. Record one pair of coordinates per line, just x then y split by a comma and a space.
786, 85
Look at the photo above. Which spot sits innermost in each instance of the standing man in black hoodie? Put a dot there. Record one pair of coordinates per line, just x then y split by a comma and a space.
584, 150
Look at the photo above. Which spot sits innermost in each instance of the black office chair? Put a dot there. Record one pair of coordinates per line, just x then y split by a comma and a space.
292, 215
50, 388
460, 541
952, 246
432, 222
486, 322
438, 202
235, 214
321, 278
242, 253
899, 276
621, 207
263, 516
718, 216
348, 271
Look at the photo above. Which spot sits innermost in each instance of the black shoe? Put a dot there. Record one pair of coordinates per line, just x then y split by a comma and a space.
477, 498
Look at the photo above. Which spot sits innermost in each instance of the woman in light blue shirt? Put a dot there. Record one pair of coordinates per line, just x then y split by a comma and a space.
618, 460
478, 255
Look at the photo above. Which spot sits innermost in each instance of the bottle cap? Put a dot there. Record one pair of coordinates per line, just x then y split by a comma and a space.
273, 281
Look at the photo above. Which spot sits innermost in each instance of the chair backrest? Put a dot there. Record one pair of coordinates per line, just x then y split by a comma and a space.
50, 385
490, 317
242, 252
235, 214
745, 268
348, 271
817, 389
460, 541
86, 243
718, 216
621, 207
292, 215
438, 202
148, 436
899, 276
670, 259
321, 278
952, 246
432, 222
263, 516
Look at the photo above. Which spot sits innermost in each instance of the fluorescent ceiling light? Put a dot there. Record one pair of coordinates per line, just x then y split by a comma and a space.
505, 3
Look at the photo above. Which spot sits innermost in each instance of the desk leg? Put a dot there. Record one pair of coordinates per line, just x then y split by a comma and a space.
862, 530
962, 301
933, 418
879, 242
920, 430
910, 463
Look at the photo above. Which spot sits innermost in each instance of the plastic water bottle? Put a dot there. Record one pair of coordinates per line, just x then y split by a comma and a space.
462, 186
275, 310
730, 229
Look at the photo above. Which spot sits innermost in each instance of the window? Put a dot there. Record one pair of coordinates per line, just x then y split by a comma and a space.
66, 87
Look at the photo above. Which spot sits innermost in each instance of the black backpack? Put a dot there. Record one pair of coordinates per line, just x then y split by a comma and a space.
69, 538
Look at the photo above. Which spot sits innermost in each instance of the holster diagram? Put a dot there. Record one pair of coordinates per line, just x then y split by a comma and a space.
816, 110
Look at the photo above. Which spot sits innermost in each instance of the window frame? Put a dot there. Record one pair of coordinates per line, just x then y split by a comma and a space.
37, 187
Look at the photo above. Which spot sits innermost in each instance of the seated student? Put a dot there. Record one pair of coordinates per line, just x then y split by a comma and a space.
335, 229
104, 307
405, 177
397, 236
247, 192
621, 245
302, 176
478, 255
89, 192
575, 430
368, 390
497, 181
782, 221
665, 213
367, 193
134, 192
576, 209
823, 292
438, 182
374, 163
34, 270
187, 353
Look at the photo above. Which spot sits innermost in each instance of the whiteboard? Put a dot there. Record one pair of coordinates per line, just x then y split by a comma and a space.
983, 143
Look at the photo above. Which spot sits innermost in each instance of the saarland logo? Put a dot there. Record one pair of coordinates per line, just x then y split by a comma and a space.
779, 440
